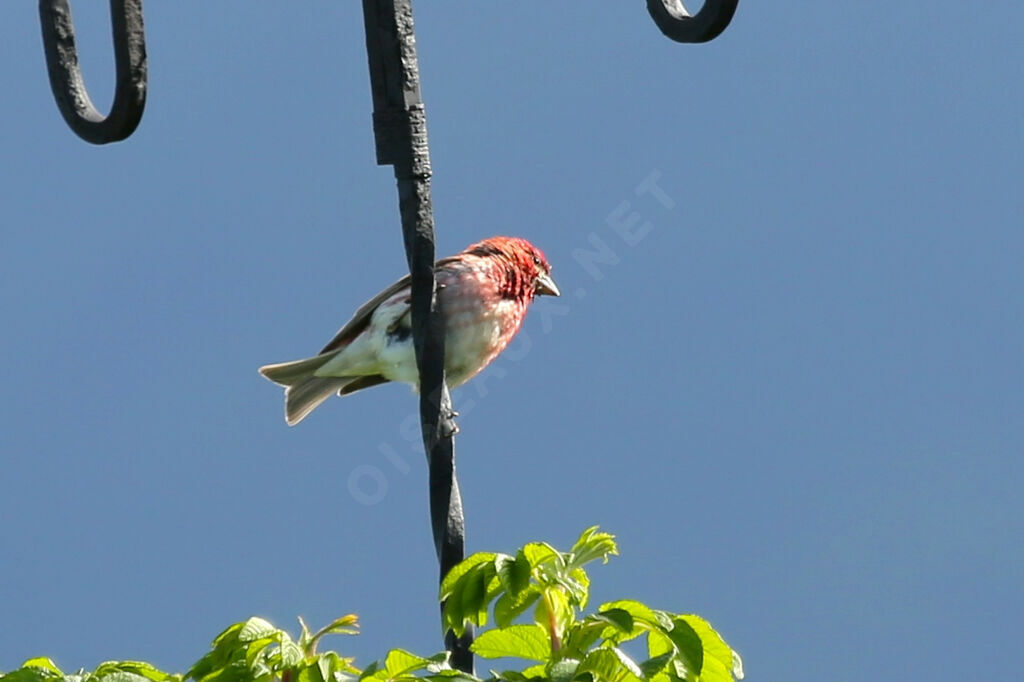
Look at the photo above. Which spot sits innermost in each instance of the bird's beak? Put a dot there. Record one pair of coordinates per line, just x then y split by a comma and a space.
546, 286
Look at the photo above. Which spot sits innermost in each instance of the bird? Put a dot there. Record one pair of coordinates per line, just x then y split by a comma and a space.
483, 292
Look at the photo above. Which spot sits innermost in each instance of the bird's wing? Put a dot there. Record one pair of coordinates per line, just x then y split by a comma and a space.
362, 316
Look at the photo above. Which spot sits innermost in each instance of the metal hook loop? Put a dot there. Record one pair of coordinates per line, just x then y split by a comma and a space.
676, 22
66, 76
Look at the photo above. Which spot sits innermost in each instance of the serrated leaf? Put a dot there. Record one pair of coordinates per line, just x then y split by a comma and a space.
473, 593
540, 553
513, 572
225, 647
401, 662
553, 612
42, 663
370, 670
563, 670
452, 616
118, 676
714, 646
581, 590
254, 651
31, 674
653, 666
689, 645
230, 633
291, 653
333, 667
628, 663
507, 608
658, 644
256, 628
602, 664
639, 612
621, 619
592, 545
311, 673
450, 675
582, 635
519, 641
534, 672
144, 670
236, 672
502, 567
459, 570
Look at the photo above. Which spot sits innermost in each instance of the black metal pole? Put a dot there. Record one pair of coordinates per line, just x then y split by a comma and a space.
66, 76
400, 133
677, 23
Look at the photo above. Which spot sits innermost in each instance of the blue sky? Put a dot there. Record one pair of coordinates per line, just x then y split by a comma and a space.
795, 393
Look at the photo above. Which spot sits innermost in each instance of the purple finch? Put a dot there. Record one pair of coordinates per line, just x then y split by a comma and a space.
484, 293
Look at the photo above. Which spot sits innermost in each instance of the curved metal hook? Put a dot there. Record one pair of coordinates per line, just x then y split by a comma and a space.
676, 22
66, 76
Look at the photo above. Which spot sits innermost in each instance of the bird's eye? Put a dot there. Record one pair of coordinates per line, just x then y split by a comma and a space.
536, 261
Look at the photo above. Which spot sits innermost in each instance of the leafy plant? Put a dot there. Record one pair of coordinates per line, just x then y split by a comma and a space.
557, 643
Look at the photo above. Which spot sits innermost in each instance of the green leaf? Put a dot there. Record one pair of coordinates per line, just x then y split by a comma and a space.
554, 612
535, 672
658, 643
628, 663
452, 616
254, 652
580, 638
563, 670
119, 676
473, 594
332, 666
225, 647
689, 645
520, 641
256, 628
236, 672
508, 608
579, 585
639, 612
371, 670
230, 634
514, 573
720, 661
291, 653
540, 553
400, 662
145, 671
311, 673
592, 545
621, 619
448, 585
35, 670
653, 666
602, 664
42, 663
346, 625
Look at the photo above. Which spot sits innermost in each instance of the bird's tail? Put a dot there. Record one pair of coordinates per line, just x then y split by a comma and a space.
303, 390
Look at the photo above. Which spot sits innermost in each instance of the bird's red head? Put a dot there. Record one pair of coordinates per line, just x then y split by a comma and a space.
527, 271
